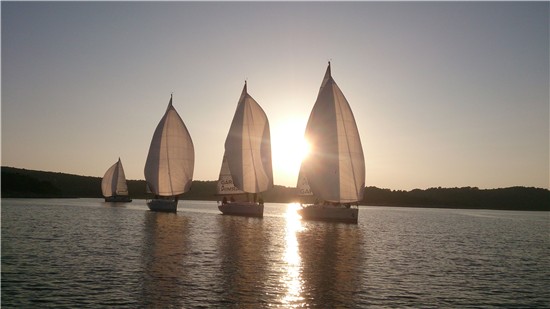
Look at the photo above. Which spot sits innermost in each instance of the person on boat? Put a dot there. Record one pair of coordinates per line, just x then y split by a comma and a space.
224, 201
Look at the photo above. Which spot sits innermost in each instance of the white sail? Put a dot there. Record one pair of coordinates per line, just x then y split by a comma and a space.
248, 147
225, 181
114, 181
171, 159
335, 166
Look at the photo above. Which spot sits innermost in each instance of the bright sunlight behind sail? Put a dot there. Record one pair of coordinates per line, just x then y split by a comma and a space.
288, 148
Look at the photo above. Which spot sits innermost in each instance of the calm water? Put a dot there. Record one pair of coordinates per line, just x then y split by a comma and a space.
86, 253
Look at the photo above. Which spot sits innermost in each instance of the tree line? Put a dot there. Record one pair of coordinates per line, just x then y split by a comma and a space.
19, 183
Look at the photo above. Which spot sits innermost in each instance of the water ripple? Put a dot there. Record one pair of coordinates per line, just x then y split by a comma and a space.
89, 254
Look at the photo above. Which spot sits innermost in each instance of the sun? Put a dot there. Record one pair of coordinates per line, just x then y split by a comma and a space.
288, 148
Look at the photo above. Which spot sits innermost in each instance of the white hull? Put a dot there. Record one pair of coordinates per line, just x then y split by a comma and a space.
329, 213
118, 199
247, 209
163, 205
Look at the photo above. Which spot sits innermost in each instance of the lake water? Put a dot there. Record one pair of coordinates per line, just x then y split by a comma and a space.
83, 253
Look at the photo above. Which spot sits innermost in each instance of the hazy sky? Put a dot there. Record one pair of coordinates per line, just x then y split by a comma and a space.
445, 93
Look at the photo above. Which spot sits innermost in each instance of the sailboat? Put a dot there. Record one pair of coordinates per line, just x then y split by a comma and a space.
113, 184
334, 171
246, 166
170, 162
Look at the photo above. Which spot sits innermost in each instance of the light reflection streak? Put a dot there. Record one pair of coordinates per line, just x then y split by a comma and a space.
292, 279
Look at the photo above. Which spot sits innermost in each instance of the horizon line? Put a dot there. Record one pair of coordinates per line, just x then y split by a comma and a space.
366, 186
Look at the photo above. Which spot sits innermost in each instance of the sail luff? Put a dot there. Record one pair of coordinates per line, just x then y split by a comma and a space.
233, 143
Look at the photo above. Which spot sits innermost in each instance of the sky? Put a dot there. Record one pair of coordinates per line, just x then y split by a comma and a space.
448, 94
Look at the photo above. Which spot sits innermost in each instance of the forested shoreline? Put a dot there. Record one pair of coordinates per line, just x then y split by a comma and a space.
23, 183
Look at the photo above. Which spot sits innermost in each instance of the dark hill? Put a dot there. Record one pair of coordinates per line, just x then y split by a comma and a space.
18, 182
513, 198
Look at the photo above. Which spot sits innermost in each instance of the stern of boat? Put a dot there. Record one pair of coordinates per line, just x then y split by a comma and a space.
329, 213
246, 209
163, 205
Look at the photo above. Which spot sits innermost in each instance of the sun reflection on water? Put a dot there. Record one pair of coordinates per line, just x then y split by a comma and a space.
292, 278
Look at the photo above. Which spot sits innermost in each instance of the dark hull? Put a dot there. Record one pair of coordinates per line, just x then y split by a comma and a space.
118, 199
245, 209
163, 205
329, 213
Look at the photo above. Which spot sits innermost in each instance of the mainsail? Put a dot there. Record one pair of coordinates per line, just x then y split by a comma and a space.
114, 181
248, 148
171, 159
335, 166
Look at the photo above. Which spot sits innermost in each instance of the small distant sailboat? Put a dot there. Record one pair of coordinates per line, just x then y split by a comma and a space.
170, 162
113, 184
246, 165
334, 171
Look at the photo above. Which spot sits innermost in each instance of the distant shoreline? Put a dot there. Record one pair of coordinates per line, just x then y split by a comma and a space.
23, 183
361, 205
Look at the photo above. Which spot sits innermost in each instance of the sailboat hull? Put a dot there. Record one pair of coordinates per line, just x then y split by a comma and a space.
163, 205
246, 209
118, 199
329, 213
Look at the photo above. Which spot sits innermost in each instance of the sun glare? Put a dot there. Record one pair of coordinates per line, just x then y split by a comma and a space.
288, 148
